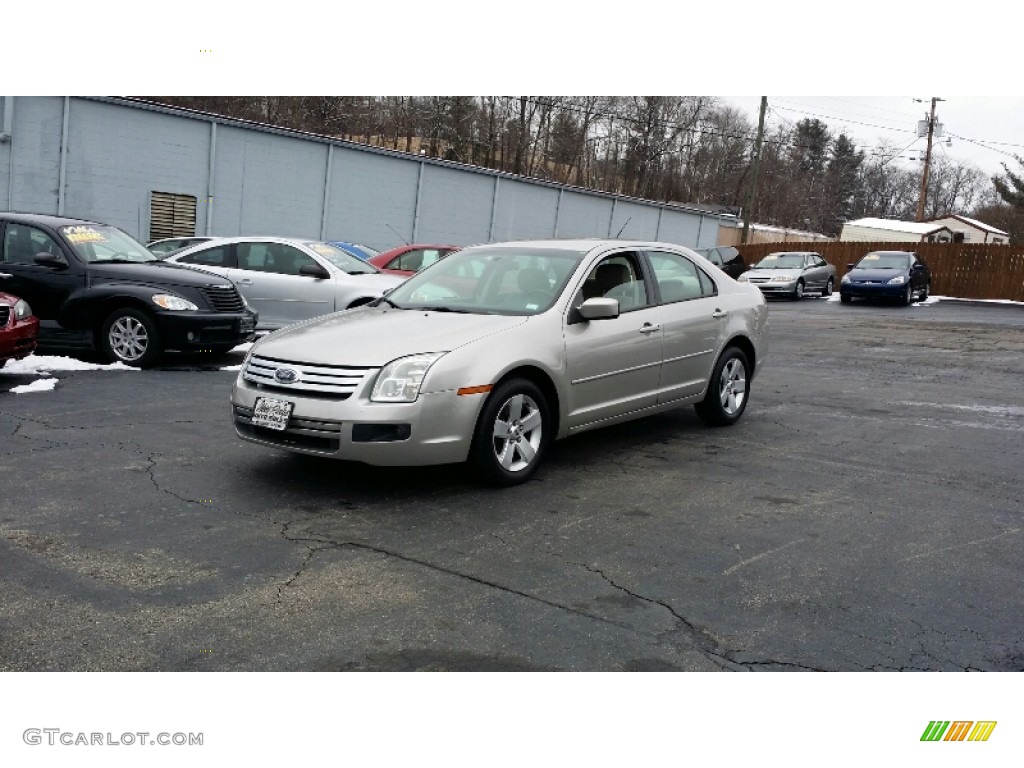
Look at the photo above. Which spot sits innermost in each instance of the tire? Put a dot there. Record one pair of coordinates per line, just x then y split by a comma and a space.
798, 292
130, 336
508, 447
926, 292
844, 298
827, 290
725, 401
908, 295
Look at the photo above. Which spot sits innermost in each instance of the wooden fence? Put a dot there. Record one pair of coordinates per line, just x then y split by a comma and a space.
965, 270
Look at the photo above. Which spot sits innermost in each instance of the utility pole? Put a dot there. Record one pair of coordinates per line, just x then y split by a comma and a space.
757, 169
927, 160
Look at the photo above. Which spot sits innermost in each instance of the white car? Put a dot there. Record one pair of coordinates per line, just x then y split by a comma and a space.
288, 280
496, 350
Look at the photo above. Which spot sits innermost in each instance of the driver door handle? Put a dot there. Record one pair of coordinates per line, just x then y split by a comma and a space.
243, 281
650, 328
719, 313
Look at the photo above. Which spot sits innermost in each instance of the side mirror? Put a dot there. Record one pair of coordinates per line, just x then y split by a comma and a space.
46, 259
314, 270
849, 267
599, 308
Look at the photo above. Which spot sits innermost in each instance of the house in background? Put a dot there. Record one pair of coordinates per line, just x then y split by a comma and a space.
891, 231
973, 231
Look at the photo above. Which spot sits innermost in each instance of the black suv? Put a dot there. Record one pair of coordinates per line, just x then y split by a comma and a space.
726, 258
93, 286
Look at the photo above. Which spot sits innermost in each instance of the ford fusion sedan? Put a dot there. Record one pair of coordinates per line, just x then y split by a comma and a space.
95, 287
895, 275
791, 274
499, 349
287, 280
18, 328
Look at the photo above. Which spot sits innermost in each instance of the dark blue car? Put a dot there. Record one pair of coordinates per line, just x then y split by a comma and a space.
897, 275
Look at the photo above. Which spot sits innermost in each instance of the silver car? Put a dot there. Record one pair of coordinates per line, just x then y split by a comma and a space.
498, 349
792, 274
288, 280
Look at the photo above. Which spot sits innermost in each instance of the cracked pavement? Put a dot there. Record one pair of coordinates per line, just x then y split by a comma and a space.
865, 514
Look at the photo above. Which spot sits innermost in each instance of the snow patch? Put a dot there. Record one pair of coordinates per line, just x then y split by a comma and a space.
42, 364
39, 385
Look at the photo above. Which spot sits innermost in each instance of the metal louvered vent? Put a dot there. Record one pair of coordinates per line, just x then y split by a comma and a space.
171, 215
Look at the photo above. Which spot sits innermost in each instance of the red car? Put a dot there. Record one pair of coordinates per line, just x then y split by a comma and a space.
18, 328
409, 259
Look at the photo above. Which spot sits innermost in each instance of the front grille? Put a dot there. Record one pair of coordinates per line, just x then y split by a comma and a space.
223, 298
336, 381
5, 315
311, 434
758, 279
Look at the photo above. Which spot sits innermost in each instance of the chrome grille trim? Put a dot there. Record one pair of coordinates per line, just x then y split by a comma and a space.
340, 381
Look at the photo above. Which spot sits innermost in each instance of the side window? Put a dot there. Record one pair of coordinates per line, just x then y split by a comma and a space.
413, 260
617, 277
716, 257
22, 243
218, 256
679, 278
272, 257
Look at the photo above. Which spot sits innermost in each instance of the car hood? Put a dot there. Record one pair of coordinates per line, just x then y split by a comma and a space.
875, 275
373, 283
793, 272
156, 273
374, 336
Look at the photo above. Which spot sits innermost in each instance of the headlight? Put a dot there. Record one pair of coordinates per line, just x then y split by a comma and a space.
399, 381
21, 309
783, 279
741, 279
170, 301
846, 279
898, 280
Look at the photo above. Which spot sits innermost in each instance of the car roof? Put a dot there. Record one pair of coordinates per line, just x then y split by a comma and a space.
895, 253
47, 220
577, 244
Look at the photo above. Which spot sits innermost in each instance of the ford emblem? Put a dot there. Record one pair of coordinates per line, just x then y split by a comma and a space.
286, 375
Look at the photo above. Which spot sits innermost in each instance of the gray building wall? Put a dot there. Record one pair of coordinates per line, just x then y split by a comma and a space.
251, 179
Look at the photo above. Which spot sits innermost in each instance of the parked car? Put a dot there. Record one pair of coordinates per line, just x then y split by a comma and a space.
18, 328
164, 248
363, 252
499, 349
792, 274
899, 275
407, 260
726, 258
287, 280
93, 286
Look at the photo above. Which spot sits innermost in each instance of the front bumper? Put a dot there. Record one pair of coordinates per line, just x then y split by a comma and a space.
872, 290
196, 331
18, 338
441, 424
776, 289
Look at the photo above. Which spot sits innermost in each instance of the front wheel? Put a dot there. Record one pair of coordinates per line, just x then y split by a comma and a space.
130, 336
845, 298
908, 295
511, 433
798, 292
728, 390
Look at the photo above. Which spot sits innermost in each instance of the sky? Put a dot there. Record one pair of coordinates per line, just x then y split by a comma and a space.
983, 131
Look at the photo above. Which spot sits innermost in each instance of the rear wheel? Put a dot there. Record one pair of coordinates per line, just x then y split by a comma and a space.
926, 292
828, 288
726, 398
511, 433
130, 336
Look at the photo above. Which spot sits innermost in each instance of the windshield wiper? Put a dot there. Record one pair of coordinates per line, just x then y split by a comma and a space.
383, 299
446, 309
359, 272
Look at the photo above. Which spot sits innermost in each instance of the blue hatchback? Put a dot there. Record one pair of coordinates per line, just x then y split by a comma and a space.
899, 275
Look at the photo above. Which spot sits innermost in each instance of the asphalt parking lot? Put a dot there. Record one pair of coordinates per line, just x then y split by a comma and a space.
865, 514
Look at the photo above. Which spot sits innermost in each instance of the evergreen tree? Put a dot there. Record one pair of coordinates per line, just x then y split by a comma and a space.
1011, 189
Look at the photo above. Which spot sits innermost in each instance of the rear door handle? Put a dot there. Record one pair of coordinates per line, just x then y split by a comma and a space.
719, 313
650, 328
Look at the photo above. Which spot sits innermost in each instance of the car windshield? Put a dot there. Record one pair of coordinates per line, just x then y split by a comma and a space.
781, 261
343, 260
884, 261
101, 243
494, 281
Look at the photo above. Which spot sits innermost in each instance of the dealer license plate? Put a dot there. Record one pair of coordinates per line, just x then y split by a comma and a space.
271, 413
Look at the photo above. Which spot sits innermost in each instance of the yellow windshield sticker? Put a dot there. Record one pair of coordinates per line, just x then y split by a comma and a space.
84, 235
322, 249
871, 257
